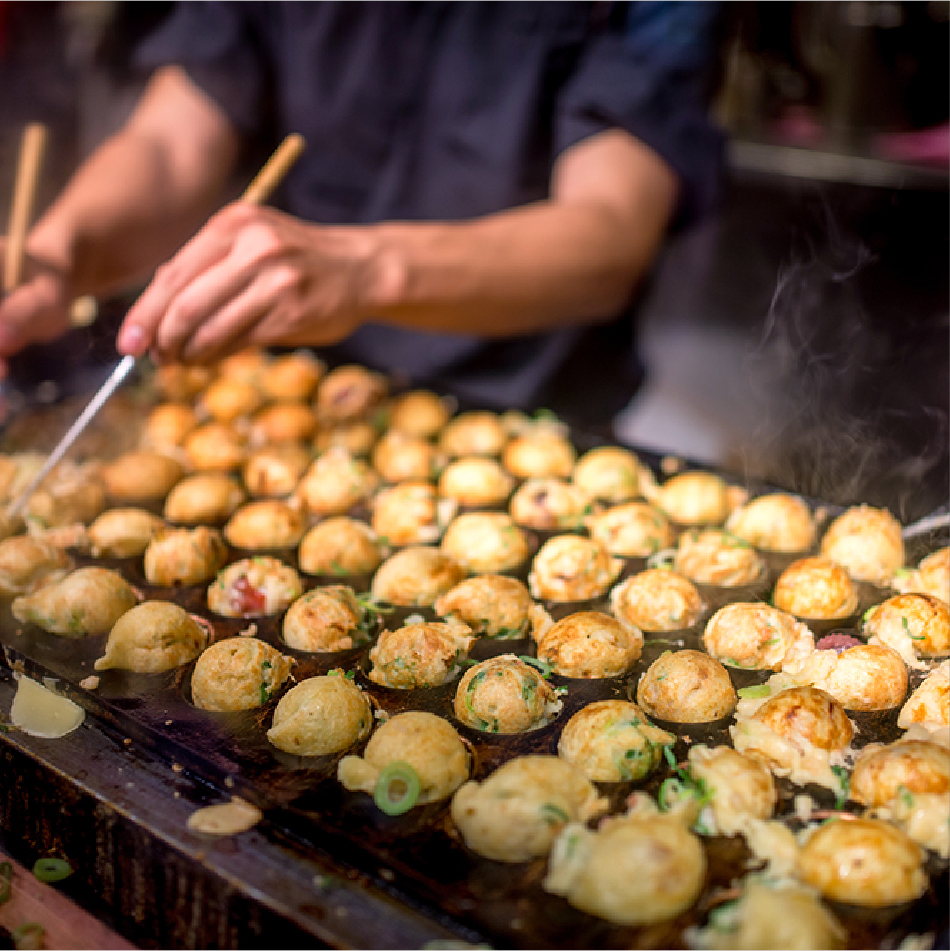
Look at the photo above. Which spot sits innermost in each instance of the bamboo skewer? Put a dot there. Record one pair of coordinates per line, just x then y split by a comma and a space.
32, 148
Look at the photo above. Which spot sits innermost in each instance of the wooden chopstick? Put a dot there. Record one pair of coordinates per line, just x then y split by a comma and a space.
32, 147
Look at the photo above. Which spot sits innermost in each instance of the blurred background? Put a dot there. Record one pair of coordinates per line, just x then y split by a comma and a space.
797, 336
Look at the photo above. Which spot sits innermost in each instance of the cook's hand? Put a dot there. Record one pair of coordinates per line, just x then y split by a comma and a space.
35, 311
251, 276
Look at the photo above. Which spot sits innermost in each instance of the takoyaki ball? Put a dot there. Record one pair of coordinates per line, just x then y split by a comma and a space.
341, 547
410, 513
694, 498
184, 555
473, 433
335, 482
686, 686
275, 471
612, 741
548, 504
491, 605
932, 576
756, 636
572, 568
419, 655
416, 576
505, 695
716, 557
167, 426
324, 619
912, 624
773, 915
881, 773
657, 599
238, 673
141, 475
266, 524
815, 588
590, 644
866, 542
215, 447
254, 587
476, 481
631, 871
320, 716
809, 714
486, 542
291, 376
631, 530
609, 473
539, 453
420, 413
357, 437
152, 637
204, 498
929, 704
516, 812
87, 601
287, 421
428, 744
865, 862
226, 399
179, 383
775, 522
400, 456
73, 497
123, 532
247, 365
738, 785
867, 677
347, 392
27, 563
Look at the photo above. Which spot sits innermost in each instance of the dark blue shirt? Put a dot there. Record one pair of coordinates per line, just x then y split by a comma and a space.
448, 111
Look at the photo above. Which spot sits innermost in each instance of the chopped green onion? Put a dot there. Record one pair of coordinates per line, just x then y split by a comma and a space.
397, 788
52, 869
553, 814
754, 692
542, 665
844, 784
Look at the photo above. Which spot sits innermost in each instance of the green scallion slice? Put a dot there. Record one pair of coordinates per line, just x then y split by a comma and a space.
52, 869
397, 788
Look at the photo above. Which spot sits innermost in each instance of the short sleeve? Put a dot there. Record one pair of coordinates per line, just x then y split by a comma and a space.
217, 47
649, 77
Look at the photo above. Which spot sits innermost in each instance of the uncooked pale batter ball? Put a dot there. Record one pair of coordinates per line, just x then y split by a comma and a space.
632, 530
486, 542
335, 482
716, 557
416, 576
548, 504
152, 637
254, 587
493, 606
572, 568
184, 556
476, 481
911, 624
320, 716
140, 476
657, 600
815, 589
610, 473
204, 498
515, 814
123, 532
866, 542
590, 644
419, 655
694, 498
238, 673
266, 524
325, 619
341, 547
347, 392
505, 695
631, 871
882, 773
473, 433
411, 513
864, 862
87, 601
686, 686
756, 636
775, 522
415, 749
612, 741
